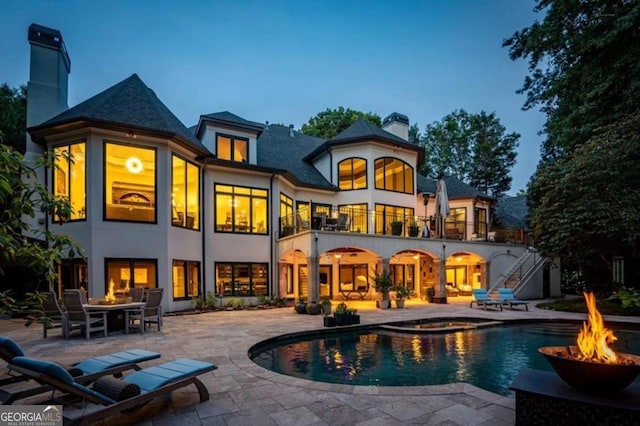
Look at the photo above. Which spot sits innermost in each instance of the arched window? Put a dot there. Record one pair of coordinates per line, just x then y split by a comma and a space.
394, 175
352, 174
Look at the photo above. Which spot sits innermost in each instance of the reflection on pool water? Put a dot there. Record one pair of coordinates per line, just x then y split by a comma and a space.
489, 358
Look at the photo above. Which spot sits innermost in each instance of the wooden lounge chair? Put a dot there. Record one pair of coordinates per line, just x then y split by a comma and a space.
110, 396
85, 371
507, 298
481, 298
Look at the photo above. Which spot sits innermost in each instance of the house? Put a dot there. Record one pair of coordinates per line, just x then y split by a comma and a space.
239, 208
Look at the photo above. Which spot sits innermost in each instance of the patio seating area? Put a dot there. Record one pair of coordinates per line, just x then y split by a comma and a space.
244, 393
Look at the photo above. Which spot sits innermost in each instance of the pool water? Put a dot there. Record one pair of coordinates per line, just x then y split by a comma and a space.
489, 358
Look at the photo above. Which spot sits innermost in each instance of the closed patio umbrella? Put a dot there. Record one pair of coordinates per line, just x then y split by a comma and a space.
442, 211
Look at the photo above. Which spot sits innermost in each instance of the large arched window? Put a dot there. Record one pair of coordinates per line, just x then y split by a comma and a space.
352, 174
394, 175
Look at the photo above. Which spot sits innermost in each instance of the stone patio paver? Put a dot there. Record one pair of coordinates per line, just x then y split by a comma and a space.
243, 393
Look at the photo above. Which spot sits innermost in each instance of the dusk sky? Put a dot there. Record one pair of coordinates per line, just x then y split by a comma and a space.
285, 61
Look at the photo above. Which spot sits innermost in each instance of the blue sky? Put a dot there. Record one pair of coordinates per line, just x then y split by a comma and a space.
285, 61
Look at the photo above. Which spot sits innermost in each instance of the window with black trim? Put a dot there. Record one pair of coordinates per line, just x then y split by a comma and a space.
394, 175
352, 174
186, 279
241, 209
130, 183
242, 279
286, 215
69, 178
393, 219
353, 217
480, 222
232, 148
185, 193
124, 274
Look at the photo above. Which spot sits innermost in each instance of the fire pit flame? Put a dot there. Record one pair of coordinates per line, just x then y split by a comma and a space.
110, 297
594, 338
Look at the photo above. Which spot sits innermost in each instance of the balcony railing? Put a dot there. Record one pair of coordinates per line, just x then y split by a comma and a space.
370, 222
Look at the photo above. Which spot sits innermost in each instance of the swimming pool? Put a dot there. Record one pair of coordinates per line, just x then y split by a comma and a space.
489, 358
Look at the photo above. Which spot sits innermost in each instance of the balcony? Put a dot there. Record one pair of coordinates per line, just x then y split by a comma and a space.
359, 221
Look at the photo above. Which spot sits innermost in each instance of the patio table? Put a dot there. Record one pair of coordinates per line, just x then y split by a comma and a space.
115, 312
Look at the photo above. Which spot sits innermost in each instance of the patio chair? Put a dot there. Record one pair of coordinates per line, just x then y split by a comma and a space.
109, 395
85, 371
507, 298
138, 294
481, 298
53, 315
150, 313
77, 315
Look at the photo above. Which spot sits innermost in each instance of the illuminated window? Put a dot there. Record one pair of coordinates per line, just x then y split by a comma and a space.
352, 174
480, 222
394, 175
286, 215
130, 183
391, 219
356, 219
232, 148
126, 274
240, 209
185, 194
456, 223
186, 279
242, 279
69, 178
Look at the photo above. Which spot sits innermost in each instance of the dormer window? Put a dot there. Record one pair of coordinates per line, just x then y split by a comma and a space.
352, 174
394, 175
232, 148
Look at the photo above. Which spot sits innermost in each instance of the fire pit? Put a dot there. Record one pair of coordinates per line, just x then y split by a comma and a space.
593, 366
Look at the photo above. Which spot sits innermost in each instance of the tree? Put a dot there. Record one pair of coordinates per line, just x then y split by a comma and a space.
584, 75
448, 147
414, 133
474, 148
589, 205
494, 155
328, 123
21, 196
13, 116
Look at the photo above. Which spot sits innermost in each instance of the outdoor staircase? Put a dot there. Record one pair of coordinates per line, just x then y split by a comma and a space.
518, 276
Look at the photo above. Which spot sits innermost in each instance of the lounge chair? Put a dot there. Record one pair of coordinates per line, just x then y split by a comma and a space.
111, 396
481, 298
85, 371
507, 298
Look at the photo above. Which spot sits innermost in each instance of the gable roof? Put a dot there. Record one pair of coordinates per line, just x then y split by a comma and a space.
282, 148
456, 189
129, 104
229, 119
362, 130
512, 211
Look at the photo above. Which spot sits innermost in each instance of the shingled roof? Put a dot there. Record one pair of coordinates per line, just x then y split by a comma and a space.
362, 130
456, 189
129, 104
230, 119
284, 149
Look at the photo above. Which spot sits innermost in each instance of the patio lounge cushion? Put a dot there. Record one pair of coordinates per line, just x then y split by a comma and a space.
154, 377
9, 349
100, 363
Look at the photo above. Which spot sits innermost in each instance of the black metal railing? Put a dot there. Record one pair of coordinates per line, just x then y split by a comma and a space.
354, 220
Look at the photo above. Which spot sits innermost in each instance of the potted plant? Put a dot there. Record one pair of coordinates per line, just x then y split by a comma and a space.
325, 305
328, 320
413, 228
383, 284
301, 306
430, 293
313, 308
396, 227
341, 314
402, 292
355, 318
